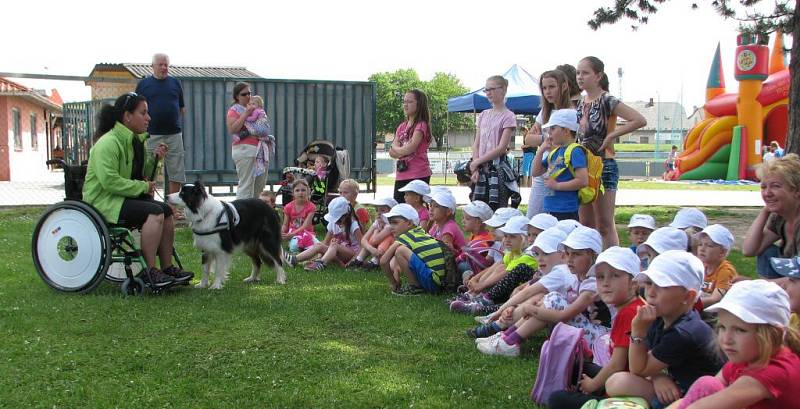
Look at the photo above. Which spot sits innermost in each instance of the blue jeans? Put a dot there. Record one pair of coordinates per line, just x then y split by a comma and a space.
610, 177
763, 267
423, 273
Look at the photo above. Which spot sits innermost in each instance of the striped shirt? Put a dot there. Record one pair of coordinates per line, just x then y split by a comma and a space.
427, 249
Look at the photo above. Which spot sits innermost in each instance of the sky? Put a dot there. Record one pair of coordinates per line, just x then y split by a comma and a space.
667, 59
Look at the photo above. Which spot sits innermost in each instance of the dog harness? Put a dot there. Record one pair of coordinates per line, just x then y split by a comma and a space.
226, 221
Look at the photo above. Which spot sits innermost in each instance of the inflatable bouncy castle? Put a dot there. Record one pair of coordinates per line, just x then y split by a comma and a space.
727, 143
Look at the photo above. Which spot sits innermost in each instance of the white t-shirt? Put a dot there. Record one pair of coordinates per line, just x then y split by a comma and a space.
334, 228
560, 280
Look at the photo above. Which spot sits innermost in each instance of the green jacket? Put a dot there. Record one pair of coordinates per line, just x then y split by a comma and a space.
108, 177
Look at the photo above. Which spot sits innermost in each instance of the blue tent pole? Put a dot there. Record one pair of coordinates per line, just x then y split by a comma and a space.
445, 139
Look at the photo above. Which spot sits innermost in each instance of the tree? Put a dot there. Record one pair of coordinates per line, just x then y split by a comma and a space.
391, 86
783, 17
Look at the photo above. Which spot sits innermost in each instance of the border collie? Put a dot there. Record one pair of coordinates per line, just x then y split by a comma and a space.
219, 228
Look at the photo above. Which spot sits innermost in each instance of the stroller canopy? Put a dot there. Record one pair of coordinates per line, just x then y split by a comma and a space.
317, 148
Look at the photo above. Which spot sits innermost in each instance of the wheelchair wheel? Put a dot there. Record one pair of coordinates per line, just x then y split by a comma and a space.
71, 247
132, 287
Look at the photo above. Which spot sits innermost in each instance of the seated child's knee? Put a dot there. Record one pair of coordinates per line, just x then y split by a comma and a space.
615, 384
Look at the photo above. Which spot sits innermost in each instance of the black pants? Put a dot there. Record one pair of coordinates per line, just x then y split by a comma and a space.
569, 400
134, 212
398, 195
501, 292
564, 215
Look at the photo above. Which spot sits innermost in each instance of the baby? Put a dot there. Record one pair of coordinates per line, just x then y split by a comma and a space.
257, 124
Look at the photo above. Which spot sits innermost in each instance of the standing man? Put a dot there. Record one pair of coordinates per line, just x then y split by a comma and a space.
164, 96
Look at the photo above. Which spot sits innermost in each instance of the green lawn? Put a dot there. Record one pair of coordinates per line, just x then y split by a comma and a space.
331, 339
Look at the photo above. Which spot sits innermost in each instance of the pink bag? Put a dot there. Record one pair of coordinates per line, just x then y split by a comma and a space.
601, 349
556, 360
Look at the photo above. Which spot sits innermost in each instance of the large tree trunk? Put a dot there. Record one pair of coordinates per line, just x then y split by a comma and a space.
793, 139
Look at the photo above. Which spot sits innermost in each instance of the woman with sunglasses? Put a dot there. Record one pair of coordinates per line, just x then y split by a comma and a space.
245, 145
117, 185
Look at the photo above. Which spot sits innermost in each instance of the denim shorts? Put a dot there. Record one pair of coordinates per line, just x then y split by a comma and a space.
423, 273
610, 176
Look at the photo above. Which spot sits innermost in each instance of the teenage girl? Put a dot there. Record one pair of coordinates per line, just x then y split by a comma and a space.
494, 131
597, 113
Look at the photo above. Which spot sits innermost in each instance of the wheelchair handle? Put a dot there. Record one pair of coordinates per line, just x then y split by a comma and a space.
59, 161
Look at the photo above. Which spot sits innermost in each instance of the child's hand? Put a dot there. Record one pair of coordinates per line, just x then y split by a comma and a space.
508, 313
587, 384
645, 315
548, 143
550, 183
287, 236
666, 389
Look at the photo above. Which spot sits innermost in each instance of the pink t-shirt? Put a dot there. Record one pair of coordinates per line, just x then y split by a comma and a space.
234, 112
423, 214
779, 377
491, 124
450, 227
418, 165
297, 216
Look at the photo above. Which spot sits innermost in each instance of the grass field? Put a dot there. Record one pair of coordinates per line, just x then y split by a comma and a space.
332, 339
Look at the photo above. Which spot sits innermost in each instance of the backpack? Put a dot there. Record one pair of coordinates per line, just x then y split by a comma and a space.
557, 359
478, 255
617, 403
594, 166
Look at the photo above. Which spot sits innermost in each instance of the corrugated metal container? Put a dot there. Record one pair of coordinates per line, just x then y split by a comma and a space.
300, 111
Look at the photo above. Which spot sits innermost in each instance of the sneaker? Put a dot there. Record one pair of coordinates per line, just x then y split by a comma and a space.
317, 265
484, 331
499, 347
462, 289
154, 277
489, 338
178, 274
464, 307
355, 263
407, 290
291, 260
483, 319
369, 266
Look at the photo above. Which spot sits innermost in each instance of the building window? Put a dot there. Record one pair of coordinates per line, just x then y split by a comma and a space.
16, 123
34, 136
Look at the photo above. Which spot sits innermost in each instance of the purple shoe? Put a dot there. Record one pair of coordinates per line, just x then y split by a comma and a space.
463, 306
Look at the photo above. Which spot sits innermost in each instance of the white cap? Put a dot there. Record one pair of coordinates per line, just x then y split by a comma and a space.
502, 215
385, 201
516, 225
568, 225
478, 209
620, 258
543, 221
417, 186
337, 208
549, 240
405, 211
584, 238
676, 268
689, 217
756, 302
720, 235
444, 198
565, 118
642, 220
667, 238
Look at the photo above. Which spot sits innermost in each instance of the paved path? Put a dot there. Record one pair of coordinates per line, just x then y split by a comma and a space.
51, 190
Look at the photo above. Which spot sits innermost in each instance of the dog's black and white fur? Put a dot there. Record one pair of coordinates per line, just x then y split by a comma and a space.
258, 233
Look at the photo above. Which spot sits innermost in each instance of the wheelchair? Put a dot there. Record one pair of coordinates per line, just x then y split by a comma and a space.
74, 248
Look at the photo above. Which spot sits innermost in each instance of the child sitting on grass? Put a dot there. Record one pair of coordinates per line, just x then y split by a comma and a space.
520, 268
615, 270
475, 256
670, 347
538, 224
714, 245
691, 220
348, 189
377, 239
415, 254
492, 274
556, 277
586, 312
416, 193
268, 197
639, 229
763, 366
341, 243
298, 226
661, 240
445, 228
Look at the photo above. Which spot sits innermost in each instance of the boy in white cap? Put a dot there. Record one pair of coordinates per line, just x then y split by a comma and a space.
443, 214
563, 174
568, 225
615, 271
763, 366
691, 220
670, 346
476, 255
661, 240
714, 245
639, 229
414, 254
519, 268
584, 311
538, 224
416, 193
378, 237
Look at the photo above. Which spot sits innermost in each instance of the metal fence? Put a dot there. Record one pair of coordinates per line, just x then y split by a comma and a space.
300, 111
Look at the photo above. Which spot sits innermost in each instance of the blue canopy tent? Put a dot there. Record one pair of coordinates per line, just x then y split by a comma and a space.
522, 97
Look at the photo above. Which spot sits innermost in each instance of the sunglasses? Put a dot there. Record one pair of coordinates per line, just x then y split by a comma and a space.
245, 94
128, 97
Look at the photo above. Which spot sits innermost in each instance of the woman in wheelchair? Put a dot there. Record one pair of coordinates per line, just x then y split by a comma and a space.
116, 186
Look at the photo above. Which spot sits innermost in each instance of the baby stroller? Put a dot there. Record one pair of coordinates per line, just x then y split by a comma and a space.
323, 190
